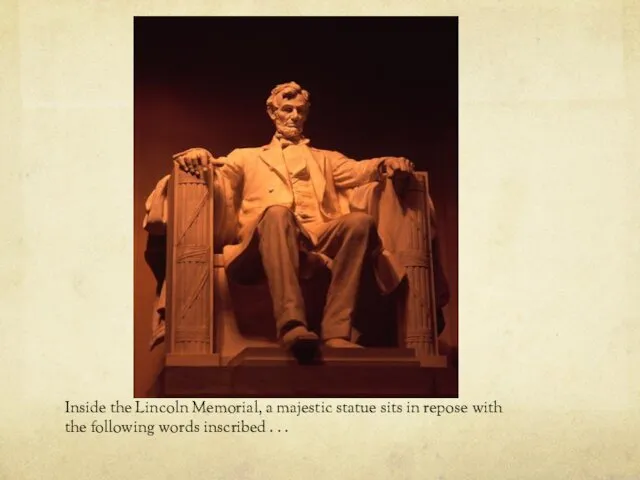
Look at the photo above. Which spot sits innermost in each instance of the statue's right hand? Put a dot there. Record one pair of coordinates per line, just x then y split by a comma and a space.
195, 160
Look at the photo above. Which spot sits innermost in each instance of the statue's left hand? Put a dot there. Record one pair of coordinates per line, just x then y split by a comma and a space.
392, 165
400, 171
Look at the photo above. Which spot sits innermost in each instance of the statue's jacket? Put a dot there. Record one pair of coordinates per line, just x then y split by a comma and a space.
254, 179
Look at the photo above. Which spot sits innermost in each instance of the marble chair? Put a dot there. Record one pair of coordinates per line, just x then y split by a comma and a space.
205, 321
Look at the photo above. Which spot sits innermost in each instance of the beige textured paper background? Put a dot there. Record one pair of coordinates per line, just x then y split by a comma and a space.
549, 264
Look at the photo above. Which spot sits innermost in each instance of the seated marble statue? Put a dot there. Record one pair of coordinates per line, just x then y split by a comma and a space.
292, 199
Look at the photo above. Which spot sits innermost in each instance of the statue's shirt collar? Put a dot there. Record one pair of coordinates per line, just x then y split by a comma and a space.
284, 142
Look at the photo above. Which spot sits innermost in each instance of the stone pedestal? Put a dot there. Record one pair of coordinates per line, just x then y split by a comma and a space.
271, 372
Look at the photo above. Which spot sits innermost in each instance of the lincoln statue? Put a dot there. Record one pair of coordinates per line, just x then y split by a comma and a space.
294, 203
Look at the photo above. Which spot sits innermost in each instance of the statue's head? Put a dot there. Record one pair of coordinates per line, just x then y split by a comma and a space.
288, 107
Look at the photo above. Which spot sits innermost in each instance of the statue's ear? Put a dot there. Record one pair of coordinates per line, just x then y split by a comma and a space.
271, 113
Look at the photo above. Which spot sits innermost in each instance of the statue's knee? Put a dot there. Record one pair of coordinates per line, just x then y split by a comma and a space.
277, 215
360, 223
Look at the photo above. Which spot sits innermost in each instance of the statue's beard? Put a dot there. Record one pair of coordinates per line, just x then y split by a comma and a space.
290, 133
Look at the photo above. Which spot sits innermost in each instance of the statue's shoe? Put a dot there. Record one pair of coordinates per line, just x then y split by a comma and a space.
303, 344
340, 343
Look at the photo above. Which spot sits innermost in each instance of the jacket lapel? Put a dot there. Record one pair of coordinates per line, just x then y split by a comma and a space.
272, 155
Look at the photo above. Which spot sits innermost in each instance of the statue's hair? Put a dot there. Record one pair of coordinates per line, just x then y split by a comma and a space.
288, 90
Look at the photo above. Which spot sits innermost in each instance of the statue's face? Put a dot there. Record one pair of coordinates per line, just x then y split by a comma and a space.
290, 116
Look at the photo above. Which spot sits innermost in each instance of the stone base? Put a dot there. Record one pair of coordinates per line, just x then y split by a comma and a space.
329, 357
272, 372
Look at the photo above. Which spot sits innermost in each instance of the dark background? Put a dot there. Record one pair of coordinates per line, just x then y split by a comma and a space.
379, 86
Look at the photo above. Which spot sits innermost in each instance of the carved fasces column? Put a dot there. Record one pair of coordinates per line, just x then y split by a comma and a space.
417, 308
190, 263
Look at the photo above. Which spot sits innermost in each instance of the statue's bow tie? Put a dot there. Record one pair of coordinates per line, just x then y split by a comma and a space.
284, 142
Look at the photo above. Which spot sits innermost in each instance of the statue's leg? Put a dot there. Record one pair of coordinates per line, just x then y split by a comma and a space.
274, 248
348, 240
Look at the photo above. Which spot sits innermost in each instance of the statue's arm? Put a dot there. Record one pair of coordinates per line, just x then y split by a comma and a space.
228, 181
349, 173
229, 170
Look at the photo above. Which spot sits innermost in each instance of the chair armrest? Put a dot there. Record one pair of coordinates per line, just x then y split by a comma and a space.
405, 225
189, 285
